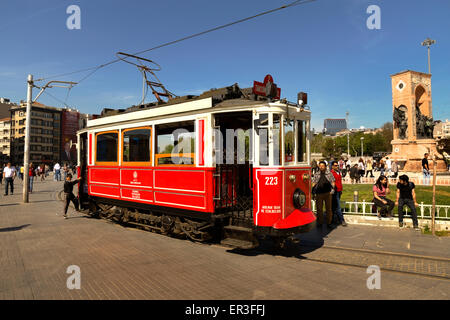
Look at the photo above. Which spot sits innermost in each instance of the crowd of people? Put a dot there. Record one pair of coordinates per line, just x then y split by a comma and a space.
9, 172
327, 189
364, 167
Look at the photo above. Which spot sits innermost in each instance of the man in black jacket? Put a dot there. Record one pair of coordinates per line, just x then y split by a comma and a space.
68, 194
406, 196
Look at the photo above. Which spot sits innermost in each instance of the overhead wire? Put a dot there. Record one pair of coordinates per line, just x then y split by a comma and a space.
96, 68
57, 99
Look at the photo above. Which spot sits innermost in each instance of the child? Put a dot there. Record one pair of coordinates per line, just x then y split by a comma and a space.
68, 194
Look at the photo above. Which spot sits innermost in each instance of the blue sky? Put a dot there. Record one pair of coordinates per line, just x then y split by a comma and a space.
323, 48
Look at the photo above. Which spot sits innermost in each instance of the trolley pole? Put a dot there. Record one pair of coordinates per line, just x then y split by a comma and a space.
26, 153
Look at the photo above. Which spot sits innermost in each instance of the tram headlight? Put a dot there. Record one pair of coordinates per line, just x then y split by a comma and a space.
299, 198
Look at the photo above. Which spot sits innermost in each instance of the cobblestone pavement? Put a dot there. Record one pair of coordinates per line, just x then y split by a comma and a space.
37, 245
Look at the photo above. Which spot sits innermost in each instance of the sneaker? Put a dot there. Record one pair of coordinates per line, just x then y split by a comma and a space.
417, 228
343, 223
379, 216
65, 217
401, 224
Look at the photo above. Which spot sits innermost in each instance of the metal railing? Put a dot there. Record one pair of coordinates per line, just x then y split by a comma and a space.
364, 208
440, 180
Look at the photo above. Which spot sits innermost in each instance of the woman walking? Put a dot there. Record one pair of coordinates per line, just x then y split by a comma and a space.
361, 167
31, 175
369, 168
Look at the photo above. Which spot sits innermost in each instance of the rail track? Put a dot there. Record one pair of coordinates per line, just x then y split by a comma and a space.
434, 267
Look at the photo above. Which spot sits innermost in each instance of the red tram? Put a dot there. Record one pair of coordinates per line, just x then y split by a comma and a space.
228, 164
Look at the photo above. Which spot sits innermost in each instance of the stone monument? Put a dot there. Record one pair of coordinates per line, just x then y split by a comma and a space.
413, 120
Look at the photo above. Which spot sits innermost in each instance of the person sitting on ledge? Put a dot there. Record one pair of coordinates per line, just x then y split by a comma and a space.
380, 190
406, 196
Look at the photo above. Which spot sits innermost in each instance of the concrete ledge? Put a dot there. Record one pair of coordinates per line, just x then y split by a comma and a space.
386, 222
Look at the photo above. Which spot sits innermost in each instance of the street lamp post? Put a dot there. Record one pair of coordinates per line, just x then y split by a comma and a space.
362, 145
428, 43
348, 134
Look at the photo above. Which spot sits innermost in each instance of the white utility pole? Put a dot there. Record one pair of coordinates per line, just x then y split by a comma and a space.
26, 149
348, 134
30, 101
362, 147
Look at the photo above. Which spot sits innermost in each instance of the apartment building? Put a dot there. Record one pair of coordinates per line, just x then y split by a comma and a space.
45, 134
5, 139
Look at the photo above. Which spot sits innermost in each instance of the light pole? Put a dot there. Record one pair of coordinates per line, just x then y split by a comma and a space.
348, 134
26, 149
362, 145
427, 43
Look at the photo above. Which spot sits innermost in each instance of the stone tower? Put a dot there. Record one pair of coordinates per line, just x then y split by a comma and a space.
413, 119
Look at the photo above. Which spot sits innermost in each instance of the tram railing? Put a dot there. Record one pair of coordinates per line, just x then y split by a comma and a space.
233, 192
364, 208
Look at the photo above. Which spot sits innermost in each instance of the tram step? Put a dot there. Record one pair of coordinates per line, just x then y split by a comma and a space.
240, 237
236, 243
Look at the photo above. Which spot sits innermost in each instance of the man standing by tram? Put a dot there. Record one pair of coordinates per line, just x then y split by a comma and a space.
336, 196
323, 184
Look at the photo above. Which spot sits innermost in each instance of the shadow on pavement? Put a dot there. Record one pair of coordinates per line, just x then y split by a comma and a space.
309, 242
10, 204
14, 228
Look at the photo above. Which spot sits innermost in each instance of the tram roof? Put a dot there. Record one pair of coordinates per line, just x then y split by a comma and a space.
223, 97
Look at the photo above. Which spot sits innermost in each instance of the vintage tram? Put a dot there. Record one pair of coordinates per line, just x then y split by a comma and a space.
231, 164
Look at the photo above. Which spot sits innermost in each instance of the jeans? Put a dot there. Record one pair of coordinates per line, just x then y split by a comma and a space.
337, 205
410, 204
322, 198
9, 181
384, 208
31, 180
57, 175
426, 176
67, 198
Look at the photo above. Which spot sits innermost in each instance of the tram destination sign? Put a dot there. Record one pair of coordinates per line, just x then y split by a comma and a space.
267, 88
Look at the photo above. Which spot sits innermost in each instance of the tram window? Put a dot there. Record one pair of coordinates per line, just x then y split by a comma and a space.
175, 143
107, 147
263, 133
276, 140
289, 143
301, 141
136, 145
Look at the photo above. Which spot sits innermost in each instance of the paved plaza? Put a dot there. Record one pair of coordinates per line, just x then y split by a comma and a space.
37, 246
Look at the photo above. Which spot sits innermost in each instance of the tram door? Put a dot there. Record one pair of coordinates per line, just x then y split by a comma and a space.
232, 156
83, 171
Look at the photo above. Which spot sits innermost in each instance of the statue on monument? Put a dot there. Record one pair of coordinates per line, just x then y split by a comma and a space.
424, 125
401, 122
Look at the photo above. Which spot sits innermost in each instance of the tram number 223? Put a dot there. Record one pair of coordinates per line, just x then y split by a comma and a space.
271, 181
